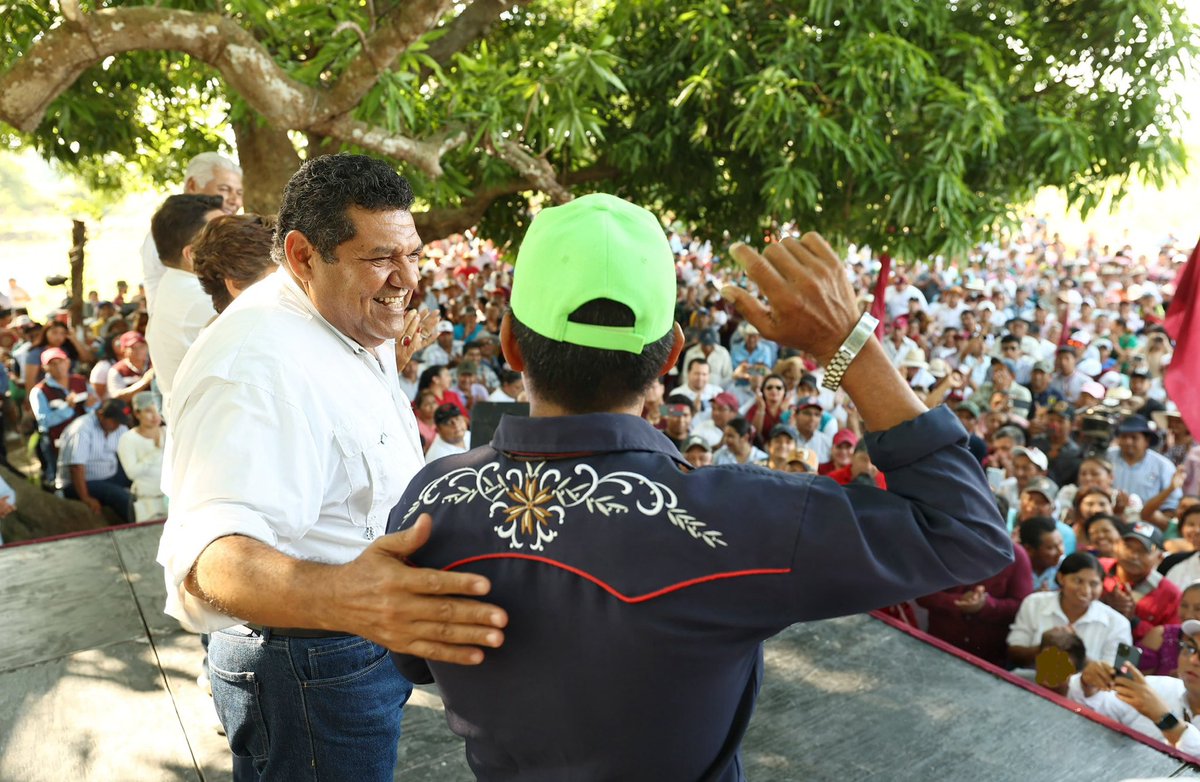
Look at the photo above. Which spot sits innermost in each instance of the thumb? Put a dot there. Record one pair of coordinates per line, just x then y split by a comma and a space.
401, 544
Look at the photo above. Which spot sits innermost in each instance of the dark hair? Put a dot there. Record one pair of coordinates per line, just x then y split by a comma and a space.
1001, 503
427, 376
235, 248
1062, 638
777, 376
590, 380
1188, 513
679, 399
1080, 560
1111, 519
319, 195
741, 426
177, 222
508, 377
1077, 503
1009, 339
694, 362
1032, 530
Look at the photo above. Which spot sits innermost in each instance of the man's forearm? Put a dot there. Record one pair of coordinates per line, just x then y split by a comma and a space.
880, 395
79, 481
245, 578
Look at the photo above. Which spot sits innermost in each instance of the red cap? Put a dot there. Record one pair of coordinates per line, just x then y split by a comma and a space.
845, 436
49, 354
129, 339
727, 399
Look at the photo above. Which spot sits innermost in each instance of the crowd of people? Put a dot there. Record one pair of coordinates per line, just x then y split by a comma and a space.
1051, 357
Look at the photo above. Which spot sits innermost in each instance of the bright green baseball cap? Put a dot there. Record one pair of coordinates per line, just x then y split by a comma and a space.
595, 247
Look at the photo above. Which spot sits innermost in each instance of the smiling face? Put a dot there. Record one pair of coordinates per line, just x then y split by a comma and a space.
364, 292
1103, 537
1080, 589
1136, 560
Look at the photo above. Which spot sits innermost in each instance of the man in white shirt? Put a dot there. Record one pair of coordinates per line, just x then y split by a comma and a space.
207, 174
452, 435
1166, 708
443, 351
697, 388
511, 388
186, 308
897, 296
292, 444
720, 363
948, 312
808, 424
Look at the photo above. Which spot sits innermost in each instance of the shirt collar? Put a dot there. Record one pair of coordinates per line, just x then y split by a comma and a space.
591, 433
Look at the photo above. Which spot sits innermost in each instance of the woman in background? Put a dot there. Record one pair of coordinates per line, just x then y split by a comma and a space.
141, 453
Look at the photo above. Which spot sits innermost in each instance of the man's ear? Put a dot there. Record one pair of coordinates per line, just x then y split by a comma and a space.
676, 349
190, 186
300, 255
509, 346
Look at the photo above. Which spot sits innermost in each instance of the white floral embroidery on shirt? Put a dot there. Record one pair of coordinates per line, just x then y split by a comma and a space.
534, 498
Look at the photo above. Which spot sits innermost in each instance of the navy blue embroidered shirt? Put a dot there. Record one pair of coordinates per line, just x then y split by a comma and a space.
639, 591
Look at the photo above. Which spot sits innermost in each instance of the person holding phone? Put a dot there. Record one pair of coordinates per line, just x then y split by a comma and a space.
1161, 707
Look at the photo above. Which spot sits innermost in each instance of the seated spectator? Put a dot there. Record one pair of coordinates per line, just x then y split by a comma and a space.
1133, 587
860, 469
1062, 453
1096, 472
1038, 500
1042, 541
807, 424
652, 406
844, 442
1060, 656
443, 351
1161, 707
738, 445
452, 435
511, 388
1076, 605
127, 377
1103, 532
1160, 646
698, 389
678, 414
140, 451
57, 400
976, 618
720, 363
1087, 504
437, 379
1027, 464
424, 409
770, 407
1139, 470
781, 447
711, 424
697, 451
89, 469
1183, 568
56, 334
465, 376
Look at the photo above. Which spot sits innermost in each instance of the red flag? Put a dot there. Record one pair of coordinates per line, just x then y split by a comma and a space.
877, 309
1183, 325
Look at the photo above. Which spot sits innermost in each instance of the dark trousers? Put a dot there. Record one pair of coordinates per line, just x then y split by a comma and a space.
111, 492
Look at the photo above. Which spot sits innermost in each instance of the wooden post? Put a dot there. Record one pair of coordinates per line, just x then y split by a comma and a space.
78, 239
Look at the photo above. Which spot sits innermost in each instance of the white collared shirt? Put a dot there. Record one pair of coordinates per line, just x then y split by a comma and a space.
181, 312
439, 448
1100, 629
1172, 692
285, 431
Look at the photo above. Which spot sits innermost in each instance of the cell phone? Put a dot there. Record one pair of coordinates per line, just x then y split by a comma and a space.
758, 369
1126, 654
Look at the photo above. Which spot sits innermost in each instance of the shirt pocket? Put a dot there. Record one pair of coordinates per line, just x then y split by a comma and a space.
356, 472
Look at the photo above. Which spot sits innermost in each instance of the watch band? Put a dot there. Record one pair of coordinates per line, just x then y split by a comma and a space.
849, 350
1167, 722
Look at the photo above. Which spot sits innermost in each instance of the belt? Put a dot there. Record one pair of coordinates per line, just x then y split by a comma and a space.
297, 632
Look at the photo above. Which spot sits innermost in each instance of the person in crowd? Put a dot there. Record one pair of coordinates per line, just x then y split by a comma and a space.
444, 351
1075, 604
782, 446
976, 617
8, 503
1067, 382
231, 253
738, 445
511, 388
1003, 380
209, 174
56, 334
1063, 454
842, 451
1002, 443
1096, 472
1160, 646
129, 376
424, 408
182, 308
60, 398
89, 469
710, 425
806, 422
409, 377
1166, 708
279, 490
140, 451
1133, 586
678, 414
698, 387
697, 452
1103, 532
1037, 500
465, 377
1043, 542
1061, 655
753, 350
437, 378
1137, 469
1087, 504
860, 469
770, 406
1183, 567
589, 421
452, 433
1027, 464
718, 358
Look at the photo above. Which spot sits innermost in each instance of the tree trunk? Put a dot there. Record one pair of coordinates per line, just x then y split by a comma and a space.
78, 239
268, 160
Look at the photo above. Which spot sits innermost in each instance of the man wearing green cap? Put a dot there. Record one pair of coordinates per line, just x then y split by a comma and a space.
639, 590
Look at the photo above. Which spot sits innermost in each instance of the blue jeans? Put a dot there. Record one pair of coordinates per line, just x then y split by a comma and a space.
325, 709
111, 492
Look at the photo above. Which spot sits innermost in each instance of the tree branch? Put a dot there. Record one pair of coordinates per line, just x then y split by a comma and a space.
59, 58
468, 26
533, 169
